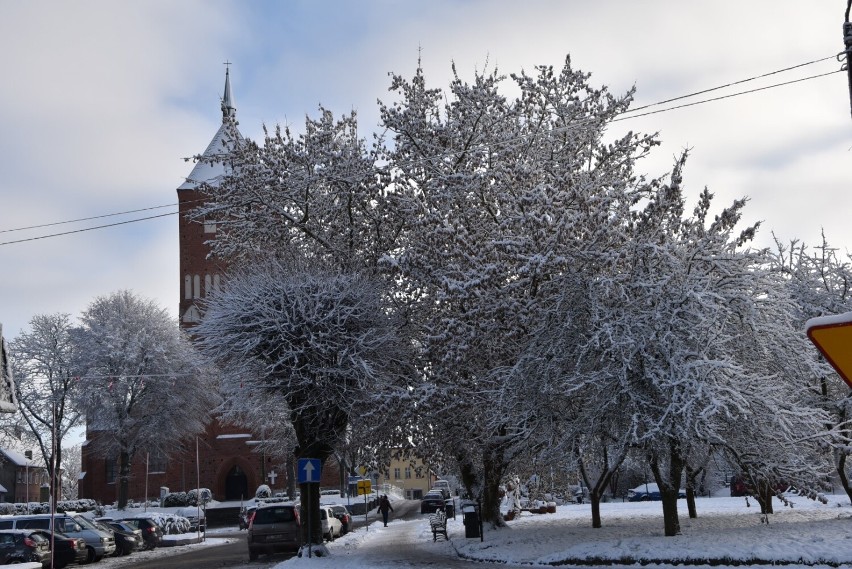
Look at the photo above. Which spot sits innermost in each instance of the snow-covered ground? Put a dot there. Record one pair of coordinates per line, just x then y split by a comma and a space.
727, 532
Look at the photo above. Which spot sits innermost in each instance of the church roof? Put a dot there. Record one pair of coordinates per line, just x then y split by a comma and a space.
211, 167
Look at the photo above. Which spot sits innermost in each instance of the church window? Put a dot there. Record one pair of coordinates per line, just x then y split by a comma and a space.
216, 283
110, 469
187, 286
196, 287
208, 285
209, 227
157, 462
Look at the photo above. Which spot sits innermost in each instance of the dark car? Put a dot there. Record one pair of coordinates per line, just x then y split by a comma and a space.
431, 502
66, 549
23, 545
127, 538
152, 534
274, 528
341, 513
649, 492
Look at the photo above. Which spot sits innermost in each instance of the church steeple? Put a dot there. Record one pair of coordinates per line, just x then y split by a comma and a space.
228, 109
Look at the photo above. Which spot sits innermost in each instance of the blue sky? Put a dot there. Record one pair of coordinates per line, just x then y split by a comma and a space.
102, 100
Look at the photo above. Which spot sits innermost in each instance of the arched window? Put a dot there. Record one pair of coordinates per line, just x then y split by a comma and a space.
208, 285
196, 286
187, 287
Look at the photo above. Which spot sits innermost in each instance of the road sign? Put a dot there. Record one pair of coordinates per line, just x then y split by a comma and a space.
832, 335
310, 470
364, 487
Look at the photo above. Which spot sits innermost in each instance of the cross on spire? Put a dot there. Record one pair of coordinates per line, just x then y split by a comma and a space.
228, 109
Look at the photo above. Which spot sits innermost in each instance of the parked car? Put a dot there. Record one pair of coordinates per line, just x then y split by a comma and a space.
331, 526
66, 549
127, 538
431, 502
274, 528
648, 492
99, 543
195, 515
341, 513
443, 486
22, 546
152, 534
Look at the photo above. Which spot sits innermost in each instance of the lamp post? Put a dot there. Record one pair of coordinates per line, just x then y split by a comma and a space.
28, 455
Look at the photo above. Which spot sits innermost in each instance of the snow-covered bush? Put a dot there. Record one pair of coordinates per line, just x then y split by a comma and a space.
7, 509
193, 496
263, 491
171, 524
176, 499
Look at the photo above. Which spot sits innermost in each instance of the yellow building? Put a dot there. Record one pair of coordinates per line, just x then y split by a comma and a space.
411, 475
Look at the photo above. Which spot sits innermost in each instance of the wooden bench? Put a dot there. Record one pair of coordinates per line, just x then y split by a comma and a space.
438, 523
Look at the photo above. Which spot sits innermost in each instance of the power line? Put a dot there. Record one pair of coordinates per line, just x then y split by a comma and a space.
86, 218
88, 228
740, 82
722, 96
624, 116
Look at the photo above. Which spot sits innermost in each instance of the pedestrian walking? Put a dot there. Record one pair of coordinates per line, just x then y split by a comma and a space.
384, 508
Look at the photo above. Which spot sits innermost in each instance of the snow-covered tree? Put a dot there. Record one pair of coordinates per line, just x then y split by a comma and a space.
72, 462
504, 196
142, 385
819, 281
42, 360
322, 343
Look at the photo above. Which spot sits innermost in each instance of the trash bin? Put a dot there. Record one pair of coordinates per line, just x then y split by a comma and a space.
450, 508
471, 521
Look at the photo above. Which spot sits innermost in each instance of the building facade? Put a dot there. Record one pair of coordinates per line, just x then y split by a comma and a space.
411, 475
21, 479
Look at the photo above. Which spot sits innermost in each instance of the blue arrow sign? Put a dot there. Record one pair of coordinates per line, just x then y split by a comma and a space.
310, 470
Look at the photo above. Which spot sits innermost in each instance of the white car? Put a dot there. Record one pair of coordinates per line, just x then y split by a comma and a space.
331, 526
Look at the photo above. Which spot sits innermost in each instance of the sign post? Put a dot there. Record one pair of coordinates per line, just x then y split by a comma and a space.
309, 473
365, 487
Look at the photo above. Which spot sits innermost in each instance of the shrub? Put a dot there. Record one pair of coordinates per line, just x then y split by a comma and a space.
176, 499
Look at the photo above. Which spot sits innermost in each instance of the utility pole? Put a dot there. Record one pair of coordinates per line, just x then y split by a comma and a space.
847, 42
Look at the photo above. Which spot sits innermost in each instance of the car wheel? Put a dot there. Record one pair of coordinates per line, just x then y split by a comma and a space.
90, 555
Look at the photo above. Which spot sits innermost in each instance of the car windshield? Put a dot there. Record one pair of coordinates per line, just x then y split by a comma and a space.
85, 523
274, 515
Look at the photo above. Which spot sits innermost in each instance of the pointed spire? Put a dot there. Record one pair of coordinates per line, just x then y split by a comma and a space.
228, 109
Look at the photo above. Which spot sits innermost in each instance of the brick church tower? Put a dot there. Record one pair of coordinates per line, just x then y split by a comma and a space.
224, 458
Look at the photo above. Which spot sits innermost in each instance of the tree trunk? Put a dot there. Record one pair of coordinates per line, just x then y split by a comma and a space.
690, 502
468, 476
595, 499
310, 499
292, 476
123, 478
841, 473
691, 476
494, 469
669, 485
763, 494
